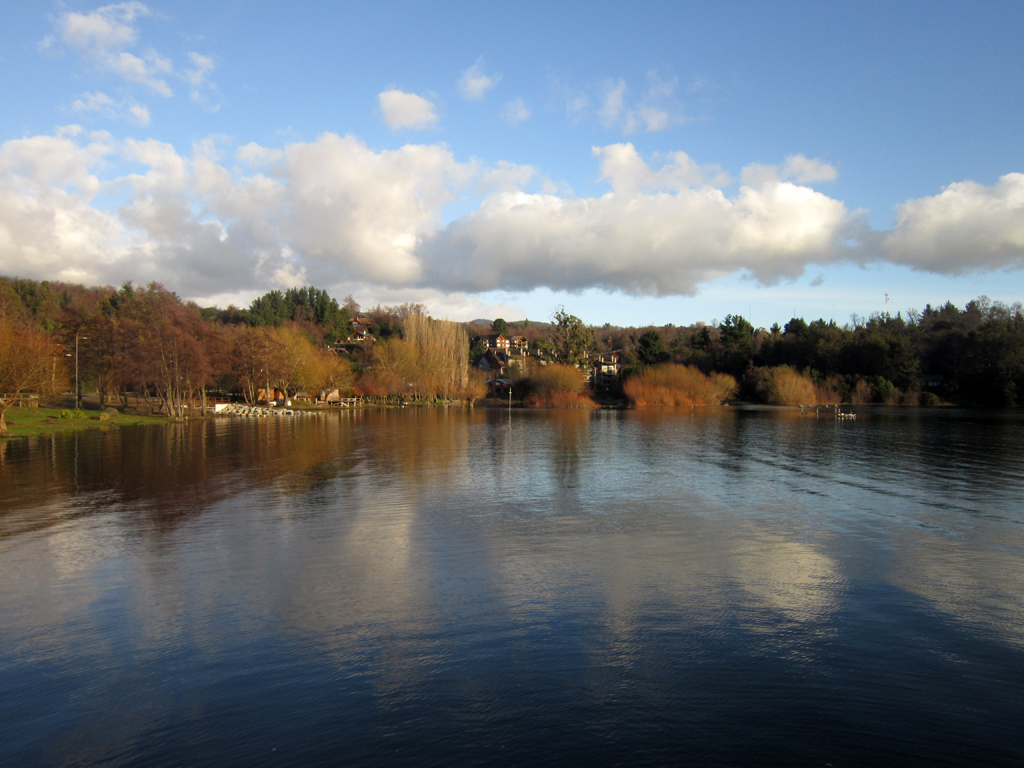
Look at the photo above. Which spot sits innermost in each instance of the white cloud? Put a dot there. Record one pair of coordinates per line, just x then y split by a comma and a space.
143, 70
796, 168
106, 29
612, 102
576, 104
94, 102
656, 109
515, 111
101, 104
366, 212
203, 88
627, 172
139, 114
967, 227
102, 37
255, 155
648, 243
475, 83
804, 171
406, 110
654, 119
48, 228
506, 177
202, 66
333, 212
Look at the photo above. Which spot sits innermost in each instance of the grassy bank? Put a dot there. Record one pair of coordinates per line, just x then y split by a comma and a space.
28, 422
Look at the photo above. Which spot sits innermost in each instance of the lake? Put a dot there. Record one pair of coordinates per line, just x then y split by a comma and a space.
438, 587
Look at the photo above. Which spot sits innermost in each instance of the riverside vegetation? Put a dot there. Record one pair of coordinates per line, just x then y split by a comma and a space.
146, 343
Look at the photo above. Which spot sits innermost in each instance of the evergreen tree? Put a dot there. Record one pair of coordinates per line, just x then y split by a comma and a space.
650, 349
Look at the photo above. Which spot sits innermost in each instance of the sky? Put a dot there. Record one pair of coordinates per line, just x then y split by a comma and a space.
638, 163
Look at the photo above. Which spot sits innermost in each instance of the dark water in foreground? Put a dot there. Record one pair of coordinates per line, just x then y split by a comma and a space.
546, 588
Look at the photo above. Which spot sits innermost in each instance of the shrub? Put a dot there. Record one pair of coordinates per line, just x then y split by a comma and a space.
476, 385
790, 387
861, 394
783, 385
829, 391
882, 390
555, 386
911, 396
678, 385
70, 414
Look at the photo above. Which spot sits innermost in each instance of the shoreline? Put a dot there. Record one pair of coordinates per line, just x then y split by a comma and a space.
35, 422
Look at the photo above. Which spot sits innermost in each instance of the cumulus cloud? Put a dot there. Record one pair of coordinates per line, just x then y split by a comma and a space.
47, 224
334, 211
406, 110
515, 111
653, 243
627, 172
796, 168
319, 210
805, 171
967, 227
366, 212
506, 177
475, 83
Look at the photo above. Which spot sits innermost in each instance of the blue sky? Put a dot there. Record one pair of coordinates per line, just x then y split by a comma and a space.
637, 163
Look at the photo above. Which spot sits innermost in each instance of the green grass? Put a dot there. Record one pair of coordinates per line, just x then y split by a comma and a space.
28, 422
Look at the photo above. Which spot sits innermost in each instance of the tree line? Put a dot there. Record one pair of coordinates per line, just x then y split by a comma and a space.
147, 342
970, 356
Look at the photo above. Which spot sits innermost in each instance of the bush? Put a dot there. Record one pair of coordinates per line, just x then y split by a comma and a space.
829, 391
861, 394
882, 390
66, 414
783, 385
678, 385
930, 399
555, 386
790, 387
476, 385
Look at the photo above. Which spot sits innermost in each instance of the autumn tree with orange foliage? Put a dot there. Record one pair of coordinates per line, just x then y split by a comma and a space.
28, 363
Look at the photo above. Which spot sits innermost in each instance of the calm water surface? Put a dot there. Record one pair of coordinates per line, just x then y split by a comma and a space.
431, 587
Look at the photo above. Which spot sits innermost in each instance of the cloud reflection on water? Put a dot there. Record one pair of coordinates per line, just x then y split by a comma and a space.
412, 550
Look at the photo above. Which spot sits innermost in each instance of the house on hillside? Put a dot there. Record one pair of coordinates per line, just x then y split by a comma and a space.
496, 342
362, 321
606, 368
493, 362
